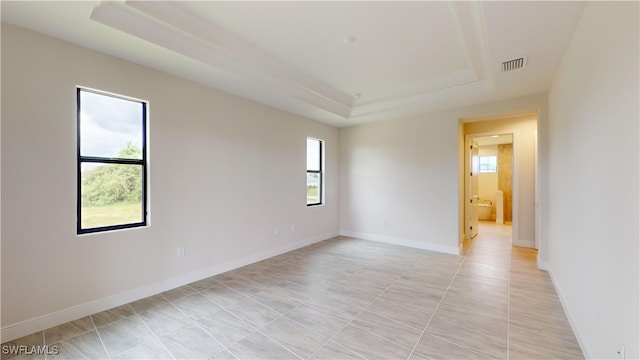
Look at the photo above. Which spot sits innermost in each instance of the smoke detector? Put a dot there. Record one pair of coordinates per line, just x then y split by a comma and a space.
514, 64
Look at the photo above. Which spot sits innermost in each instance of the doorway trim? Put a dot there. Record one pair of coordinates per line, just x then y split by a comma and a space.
514, 185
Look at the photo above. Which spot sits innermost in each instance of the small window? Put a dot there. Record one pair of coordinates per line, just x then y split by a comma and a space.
314, 172
488, 164
112, 162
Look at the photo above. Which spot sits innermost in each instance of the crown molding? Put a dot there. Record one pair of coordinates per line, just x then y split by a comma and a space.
179, 17
172, 26
468, 18
425, 86
422, 102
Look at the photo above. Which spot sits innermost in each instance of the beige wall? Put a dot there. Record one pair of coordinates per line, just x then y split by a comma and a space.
594, 167
525, 128
401, 180
224, 173
505, 178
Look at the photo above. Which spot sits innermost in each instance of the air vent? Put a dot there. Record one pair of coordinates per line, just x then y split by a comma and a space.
514, 64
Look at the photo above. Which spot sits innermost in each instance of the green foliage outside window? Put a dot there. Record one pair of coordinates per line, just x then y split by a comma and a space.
114, 183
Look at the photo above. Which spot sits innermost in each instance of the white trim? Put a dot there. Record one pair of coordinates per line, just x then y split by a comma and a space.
579, 337
373, 108
515, 189
173, 27
542, 265
524, 243
515, 186
423, 245
536, 187
468, 207
15, 331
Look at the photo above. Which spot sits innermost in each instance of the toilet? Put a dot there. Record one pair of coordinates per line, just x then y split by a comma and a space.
484, 210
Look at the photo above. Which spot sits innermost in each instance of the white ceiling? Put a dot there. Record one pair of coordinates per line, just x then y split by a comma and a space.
342, 63
494, 139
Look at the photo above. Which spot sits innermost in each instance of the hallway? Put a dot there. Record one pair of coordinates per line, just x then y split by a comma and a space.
507, 276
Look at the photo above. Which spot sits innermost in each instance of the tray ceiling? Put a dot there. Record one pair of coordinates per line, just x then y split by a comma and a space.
342, 63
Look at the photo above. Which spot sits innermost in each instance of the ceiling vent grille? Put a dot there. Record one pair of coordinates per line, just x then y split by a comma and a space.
514, 64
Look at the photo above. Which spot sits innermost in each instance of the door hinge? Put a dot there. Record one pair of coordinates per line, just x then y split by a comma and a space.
471, 174
470, 201
470, 147
470, 227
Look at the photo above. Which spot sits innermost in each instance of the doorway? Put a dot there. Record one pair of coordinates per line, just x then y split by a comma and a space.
489, 182
520, 197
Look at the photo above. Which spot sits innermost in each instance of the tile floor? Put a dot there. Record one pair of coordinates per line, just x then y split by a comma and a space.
341, 299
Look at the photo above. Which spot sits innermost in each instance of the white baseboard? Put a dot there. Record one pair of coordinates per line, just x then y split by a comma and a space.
581, 340
525, 243
27, 327
454, 250
542, 265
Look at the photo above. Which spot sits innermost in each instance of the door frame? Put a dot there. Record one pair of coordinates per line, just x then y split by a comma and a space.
514, 185
471, 217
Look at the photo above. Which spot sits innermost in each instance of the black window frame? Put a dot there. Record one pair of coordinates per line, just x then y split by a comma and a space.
110, 160
320, 172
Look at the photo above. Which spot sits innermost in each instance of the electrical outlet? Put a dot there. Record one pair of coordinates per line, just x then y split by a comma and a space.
621, 354
180, 252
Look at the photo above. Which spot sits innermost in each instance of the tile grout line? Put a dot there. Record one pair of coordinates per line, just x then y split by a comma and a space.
44, 343
151, 331
282, 315
223, 308
228, 287
277, 342
262, 332
100, 337
464, 259
198, 324
312, 330
335, 343
44, 336
363, 310
330, 339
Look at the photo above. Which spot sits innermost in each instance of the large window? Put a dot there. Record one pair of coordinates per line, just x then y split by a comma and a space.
314, 172
112, 162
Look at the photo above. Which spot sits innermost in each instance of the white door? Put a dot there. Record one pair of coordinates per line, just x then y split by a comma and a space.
474, 198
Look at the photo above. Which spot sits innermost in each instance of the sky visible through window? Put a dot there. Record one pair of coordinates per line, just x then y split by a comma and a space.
313, 154
109, 124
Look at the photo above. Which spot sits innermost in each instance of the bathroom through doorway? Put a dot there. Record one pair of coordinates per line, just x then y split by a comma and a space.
498, 179
489, 187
